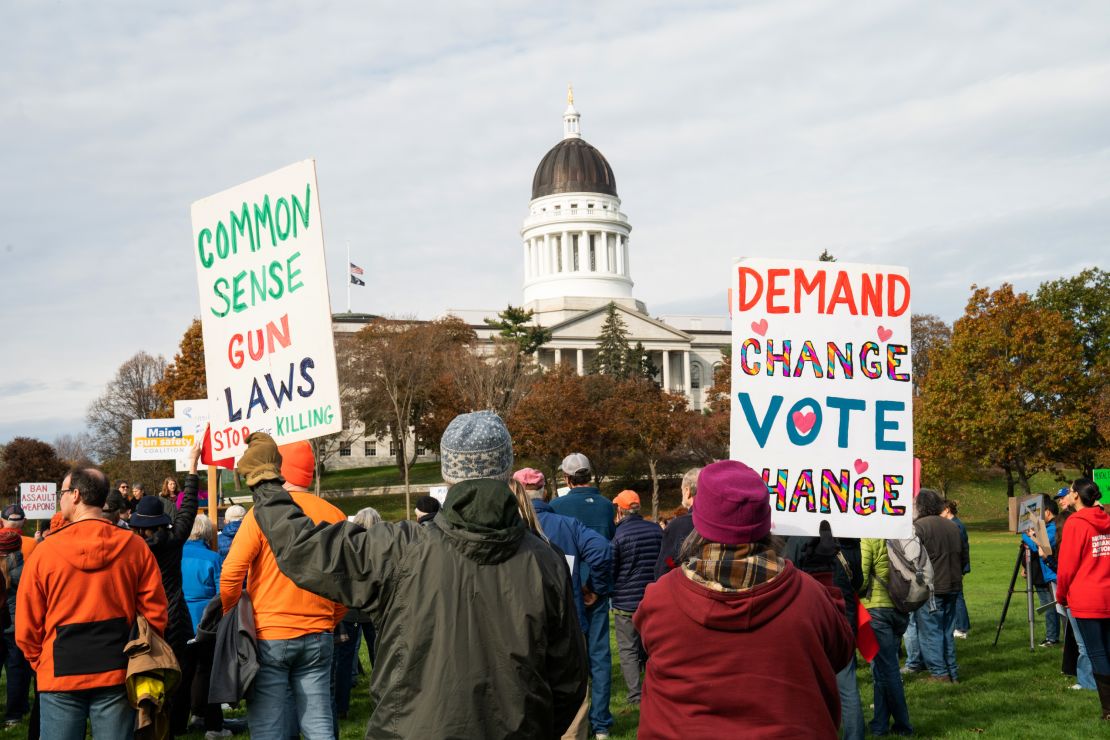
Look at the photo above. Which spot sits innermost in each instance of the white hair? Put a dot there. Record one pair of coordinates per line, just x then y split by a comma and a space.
367, 517
202, 529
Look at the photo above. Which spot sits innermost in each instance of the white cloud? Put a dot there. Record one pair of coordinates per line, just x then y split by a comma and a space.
967, 141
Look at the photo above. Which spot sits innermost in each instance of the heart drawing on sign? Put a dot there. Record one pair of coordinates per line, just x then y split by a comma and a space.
885, 334
804, 420
861, 466
760, 327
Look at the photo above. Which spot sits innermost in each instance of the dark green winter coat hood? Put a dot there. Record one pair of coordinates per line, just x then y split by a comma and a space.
482, 521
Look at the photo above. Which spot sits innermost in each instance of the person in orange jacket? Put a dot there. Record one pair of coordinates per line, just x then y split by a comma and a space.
294, 627
78, 600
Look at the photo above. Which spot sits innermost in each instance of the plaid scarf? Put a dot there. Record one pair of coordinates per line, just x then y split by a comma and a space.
733, 567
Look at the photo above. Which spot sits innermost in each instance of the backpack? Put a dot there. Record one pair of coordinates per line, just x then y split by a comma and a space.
911, 574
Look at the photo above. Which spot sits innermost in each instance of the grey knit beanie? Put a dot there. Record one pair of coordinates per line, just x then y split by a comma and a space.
474, 446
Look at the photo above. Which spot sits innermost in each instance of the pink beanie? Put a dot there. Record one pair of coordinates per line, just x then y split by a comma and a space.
529, 478
733, 506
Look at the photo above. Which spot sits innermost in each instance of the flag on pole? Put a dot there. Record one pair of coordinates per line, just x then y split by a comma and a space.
355, 269
356, 281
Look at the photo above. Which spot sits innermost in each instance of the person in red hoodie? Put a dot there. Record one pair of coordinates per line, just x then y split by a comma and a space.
78, 599
1083, 580
741, 643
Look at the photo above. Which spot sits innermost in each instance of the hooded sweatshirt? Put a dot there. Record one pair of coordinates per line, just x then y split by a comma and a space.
759, 663
78, 599
1083, 576
478, 633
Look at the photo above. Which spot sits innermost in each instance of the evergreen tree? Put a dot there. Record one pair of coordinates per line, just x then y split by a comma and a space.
612, 356
515, 325
826, 256
639, 364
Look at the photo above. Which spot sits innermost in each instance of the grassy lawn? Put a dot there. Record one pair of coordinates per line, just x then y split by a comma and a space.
1005, 692
387, 475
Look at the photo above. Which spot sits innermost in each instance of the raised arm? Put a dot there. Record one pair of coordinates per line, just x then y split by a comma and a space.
342, 562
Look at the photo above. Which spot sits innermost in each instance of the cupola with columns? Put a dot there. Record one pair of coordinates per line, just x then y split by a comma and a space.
575, 238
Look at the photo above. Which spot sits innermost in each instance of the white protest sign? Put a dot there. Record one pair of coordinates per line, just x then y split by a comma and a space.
38, 500
268, 349
439, 493
821, 393
193, 417
159, 439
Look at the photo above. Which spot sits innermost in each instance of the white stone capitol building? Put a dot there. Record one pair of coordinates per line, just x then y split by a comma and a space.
577, 260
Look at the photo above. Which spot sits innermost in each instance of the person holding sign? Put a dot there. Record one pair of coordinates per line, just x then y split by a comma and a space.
1083, 580
740, 640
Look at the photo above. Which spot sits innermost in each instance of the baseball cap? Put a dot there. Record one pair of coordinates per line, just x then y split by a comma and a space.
575, 462
627, 499
13, 513
1062, 492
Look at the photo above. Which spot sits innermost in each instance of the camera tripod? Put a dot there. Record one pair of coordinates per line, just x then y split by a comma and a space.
1024, 557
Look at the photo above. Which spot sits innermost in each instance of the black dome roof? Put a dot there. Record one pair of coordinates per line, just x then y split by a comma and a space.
573, 166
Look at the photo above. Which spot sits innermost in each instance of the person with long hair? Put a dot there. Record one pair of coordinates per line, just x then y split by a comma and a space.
1083, 580
169, 495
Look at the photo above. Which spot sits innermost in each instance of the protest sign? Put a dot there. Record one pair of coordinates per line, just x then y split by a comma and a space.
265, 311
821, 393
39, 500
193, 417
159, 439
1101, 477
439, 493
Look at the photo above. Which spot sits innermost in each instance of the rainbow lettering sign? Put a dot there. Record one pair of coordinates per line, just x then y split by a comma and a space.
821, 393
268, 348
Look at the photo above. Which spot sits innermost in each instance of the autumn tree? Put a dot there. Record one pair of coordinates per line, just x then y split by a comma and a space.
652, 422
1084, 300
928, 336
27, 460
554, 419
394, 368
73, 449
1001, 393
184, 378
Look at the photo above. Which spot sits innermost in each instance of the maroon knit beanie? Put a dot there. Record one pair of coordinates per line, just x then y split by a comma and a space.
733, 506
10, 540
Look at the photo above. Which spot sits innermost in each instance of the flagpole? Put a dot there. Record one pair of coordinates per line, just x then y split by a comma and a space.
348, 276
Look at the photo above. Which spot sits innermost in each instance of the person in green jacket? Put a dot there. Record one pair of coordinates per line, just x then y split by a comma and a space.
478, 636
889, 625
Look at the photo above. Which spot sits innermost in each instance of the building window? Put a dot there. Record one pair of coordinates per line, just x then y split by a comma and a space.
392, 449
370, 449
574, 252
593, 254
695, 376
344, 449
421, 451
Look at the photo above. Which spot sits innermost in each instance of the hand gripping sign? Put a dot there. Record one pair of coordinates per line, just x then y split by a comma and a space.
265, 311
822, 393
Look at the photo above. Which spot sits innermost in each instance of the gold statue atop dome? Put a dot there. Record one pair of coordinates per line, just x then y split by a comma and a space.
570, 93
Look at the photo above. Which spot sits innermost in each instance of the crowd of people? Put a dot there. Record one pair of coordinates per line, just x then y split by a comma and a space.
489, 615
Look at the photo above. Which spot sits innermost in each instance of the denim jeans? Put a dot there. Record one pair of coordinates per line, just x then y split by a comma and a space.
63, 713
1096, 637
963, 621
1051, 618
601, 665
346, 657
1084, 674
19, 679
301, 667
913, 644
890, 698
934, 633
851, 711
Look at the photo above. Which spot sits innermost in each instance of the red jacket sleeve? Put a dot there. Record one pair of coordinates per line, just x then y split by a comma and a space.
1072, 543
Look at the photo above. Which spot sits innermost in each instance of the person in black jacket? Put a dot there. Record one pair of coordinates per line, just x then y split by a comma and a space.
936, 620
679, 528
635, 549
166, 540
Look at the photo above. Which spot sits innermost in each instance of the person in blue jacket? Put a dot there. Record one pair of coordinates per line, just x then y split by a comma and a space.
200, 568
1045, 585
963, 620
233, 517
585, 503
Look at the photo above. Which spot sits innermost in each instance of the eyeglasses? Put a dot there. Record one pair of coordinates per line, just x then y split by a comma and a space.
64, 491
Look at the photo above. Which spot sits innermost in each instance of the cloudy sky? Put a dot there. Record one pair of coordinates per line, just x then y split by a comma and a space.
968, 141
